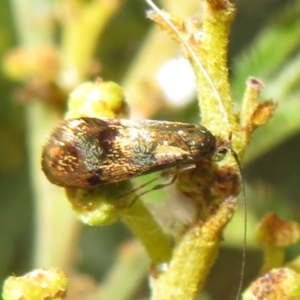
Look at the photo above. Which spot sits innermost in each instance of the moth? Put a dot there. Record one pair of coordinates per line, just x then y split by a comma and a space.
91, 152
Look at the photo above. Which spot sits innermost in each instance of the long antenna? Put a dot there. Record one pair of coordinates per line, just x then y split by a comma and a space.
224, 112
243, 263
195, 58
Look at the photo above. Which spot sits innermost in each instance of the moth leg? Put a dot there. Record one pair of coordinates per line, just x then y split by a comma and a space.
140, 187
172, 172
179, 169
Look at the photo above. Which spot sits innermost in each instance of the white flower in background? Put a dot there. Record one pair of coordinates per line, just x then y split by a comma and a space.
177, 81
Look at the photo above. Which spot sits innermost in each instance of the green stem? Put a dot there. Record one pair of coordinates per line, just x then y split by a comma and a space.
144, 226
52, 214
193, 258
273, 258
212, 52
80, 36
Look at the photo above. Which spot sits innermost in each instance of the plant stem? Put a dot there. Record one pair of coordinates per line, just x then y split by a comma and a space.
52, 211
193, 258
143, 225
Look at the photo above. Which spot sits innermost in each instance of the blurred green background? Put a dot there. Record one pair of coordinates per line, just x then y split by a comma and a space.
264, 43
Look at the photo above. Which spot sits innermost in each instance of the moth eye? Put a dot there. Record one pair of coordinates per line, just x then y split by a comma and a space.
218, 156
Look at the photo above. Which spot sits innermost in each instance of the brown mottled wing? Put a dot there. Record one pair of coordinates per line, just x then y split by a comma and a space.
89, 152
